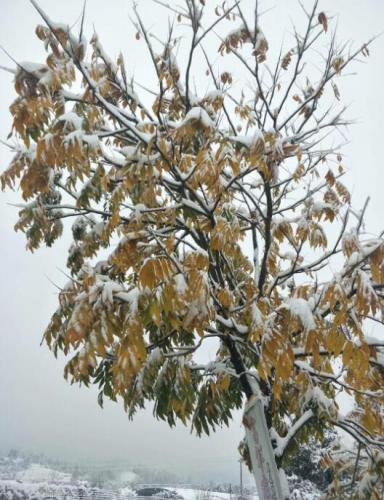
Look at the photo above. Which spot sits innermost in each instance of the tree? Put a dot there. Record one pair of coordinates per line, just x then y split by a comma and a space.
307, 464
212, 218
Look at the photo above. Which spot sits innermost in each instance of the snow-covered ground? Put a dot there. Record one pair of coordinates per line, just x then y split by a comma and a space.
191, 494
37, 473
16, 490
24, 479
21, 490
21, 480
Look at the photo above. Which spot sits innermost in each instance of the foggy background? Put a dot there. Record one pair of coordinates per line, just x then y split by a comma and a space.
39, 410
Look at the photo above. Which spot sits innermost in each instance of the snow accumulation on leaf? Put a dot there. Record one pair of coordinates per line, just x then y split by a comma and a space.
316, 396
198, 114
301, 308
34, 69
248, 140
132, 297
73, 119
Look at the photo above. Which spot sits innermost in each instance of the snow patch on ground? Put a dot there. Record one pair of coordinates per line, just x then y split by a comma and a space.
36, 473
191, 494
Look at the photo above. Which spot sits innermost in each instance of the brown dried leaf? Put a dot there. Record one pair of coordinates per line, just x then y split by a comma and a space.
286, 60
337, 64
323, 21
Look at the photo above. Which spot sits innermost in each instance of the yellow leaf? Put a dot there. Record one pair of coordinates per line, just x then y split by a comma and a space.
154, 271
155, 312
348, 353
225, 382
225, 297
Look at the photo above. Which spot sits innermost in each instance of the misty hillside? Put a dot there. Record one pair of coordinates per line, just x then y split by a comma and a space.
37, 478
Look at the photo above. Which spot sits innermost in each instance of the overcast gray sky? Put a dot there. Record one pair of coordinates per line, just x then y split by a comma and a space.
39, 411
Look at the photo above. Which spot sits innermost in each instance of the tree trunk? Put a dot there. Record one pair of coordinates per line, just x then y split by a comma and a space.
263, 461
267, 477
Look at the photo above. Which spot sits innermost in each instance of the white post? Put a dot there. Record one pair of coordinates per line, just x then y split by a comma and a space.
241, 478
261, 452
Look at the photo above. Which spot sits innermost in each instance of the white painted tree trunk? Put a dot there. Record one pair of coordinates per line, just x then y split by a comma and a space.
264, 467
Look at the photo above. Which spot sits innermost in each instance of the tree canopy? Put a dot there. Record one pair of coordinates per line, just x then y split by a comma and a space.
208, 217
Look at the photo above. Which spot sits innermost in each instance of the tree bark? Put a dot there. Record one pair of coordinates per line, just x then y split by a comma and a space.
261, 452
265, 471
